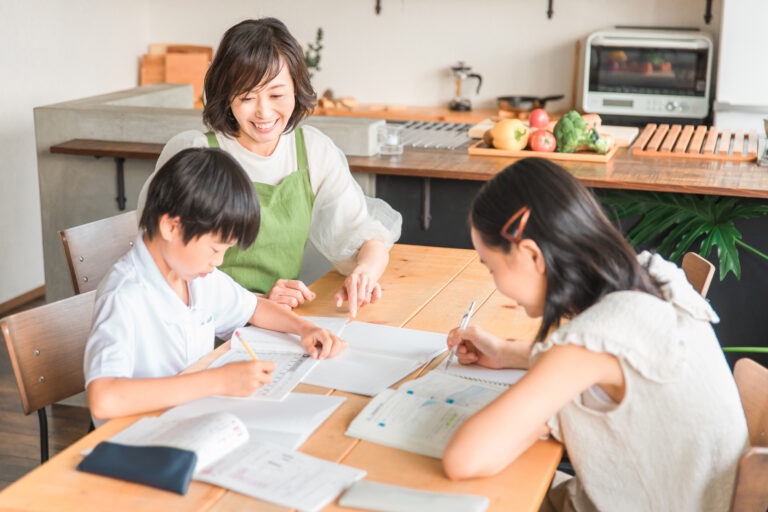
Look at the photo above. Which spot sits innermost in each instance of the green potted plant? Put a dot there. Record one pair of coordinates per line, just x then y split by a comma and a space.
312, 53
681, 220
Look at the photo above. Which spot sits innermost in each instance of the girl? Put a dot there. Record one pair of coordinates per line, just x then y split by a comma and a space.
634, 385
257, 91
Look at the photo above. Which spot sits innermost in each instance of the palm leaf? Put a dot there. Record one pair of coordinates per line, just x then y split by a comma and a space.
683, 219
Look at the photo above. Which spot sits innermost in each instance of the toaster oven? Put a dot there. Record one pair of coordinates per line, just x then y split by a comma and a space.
649, 73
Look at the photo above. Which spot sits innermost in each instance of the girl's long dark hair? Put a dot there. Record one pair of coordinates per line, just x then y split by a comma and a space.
586, 257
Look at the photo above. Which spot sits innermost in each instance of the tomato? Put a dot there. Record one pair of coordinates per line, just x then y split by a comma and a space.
542, 140
539, 118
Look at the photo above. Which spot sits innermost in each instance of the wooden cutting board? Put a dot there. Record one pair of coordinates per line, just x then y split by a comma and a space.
622, 135
701, 142
480, 149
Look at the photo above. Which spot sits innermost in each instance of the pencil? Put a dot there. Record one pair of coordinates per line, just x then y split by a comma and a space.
247, 348
462, 325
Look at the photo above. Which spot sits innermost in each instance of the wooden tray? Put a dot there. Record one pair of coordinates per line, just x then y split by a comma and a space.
700, 142
480, 149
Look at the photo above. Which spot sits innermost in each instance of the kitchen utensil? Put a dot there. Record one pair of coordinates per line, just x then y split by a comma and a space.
525, 103
461, 72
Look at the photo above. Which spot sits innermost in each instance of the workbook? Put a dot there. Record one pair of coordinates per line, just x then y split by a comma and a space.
292, 363
377, 356
422, 415
288, 423
227, 457
504, 376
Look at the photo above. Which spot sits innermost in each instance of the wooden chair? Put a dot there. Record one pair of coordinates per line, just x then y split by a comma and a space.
699, 272
751, 490
92, 249
46, 347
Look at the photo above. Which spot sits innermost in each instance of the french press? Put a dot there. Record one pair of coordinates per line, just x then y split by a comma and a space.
461, 72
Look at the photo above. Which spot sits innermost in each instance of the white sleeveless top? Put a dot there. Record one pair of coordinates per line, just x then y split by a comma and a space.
674, 441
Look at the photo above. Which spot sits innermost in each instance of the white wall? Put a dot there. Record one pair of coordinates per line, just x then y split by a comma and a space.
57, 50
403, 55
743, 76
51, 51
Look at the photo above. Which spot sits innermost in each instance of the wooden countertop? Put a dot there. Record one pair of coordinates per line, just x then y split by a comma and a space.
624, 171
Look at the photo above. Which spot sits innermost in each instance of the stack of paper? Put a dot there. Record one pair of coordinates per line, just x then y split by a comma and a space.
272, 473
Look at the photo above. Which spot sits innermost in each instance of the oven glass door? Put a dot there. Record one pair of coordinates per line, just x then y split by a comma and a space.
663, 71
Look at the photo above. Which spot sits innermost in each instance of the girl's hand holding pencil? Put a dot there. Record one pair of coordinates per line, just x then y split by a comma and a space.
476, 346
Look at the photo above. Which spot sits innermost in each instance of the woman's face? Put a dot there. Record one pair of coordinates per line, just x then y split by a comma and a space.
263, 113
519, 274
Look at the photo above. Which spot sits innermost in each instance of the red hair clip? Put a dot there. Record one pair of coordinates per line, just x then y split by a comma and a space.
523, 214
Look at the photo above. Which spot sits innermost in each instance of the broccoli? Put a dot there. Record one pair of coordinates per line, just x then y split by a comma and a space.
572, 135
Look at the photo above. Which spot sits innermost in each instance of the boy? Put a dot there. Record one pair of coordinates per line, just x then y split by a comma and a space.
158, 309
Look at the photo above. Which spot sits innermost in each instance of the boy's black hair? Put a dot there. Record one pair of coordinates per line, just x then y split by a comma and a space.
209, 192
586, 256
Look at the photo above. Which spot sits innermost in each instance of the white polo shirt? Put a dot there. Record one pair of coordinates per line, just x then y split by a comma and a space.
142, 329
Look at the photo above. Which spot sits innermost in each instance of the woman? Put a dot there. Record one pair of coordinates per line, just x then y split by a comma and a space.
257, 91
634, 385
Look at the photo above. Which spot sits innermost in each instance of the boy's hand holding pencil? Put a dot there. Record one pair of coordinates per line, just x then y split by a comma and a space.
245, 377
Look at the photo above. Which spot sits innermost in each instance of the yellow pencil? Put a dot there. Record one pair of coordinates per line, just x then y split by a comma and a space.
237, 333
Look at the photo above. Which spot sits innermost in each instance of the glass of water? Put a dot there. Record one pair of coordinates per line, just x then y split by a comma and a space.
390, 141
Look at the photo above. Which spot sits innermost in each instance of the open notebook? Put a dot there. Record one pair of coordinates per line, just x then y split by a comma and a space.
377, 356
422, 414
228, 457
506, 376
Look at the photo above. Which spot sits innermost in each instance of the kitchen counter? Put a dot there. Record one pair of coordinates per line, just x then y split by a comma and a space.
410, 113
624, 171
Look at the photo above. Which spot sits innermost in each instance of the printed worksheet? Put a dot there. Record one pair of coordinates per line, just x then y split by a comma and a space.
272, 473
290, 369
451, 389
422, 415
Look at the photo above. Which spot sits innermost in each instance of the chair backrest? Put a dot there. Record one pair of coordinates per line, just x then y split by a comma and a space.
752, 381
751, 490
92, 249
699, 272
46, 346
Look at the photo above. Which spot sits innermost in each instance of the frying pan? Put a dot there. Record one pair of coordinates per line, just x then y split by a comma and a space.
517, 103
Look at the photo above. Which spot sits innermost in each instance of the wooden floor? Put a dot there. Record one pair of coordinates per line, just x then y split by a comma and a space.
19, 434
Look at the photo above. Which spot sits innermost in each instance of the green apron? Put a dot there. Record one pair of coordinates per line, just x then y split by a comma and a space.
286, 212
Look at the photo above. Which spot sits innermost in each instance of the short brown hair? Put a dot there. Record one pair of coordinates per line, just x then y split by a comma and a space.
249, 54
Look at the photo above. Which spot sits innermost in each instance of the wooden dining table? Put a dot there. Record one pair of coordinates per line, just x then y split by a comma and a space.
425, 288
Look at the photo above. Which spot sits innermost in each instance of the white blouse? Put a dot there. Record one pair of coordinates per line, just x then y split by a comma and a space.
343, 217
674, 440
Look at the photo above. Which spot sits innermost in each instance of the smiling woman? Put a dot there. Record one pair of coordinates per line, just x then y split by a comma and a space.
257, 93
